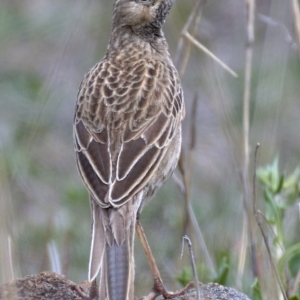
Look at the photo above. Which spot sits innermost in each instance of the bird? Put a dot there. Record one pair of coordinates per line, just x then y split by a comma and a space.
127, 136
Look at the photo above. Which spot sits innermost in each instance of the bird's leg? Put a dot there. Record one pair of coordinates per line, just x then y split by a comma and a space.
158, 286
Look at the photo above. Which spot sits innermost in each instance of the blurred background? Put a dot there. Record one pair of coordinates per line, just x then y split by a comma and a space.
45, 49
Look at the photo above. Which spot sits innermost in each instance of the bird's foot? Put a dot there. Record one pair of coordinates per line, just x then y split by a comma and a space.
159, 289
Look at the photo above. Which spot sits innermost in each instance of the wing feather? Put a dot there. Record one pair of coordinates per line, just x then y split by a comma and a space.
130, 153
96, 152
123, 126
143, 181
95, 186
138, 171
156, 129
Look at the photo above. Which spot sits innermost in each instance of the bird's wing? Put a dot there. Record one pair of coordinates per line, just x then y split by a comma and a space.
126, 117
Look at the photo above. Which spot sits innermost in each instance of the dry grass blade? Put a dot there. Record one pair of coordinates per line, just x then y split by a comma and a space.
243, 252
282, 27
10, 255
296, 11
190, 221
209, 53
54, 258
254, 179
194, 123
179, 183
247, 87
187, 53
188, 175
183, 165
195, 12
8, 258
201, 241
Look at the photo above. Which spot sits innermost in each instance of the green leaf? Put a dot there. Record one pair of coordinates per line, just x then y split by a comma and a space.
272, 213
204, 272
291, 253
223, 271
292, 180
274, 176
256, 290
263, 176
280, 184
185, 277
295, 297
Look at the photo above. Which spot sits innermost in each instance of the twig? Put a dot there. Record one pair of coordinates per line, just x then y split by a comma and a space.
192, 261
209, 53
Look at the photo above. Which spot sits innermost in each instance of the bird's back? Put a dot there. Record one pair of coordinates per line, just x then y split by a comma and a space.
129, 105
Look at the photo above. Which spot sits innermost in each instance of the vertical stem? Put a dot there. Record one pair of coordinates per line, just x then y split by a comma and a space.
246, 125
296, 11
8, 256
247, 88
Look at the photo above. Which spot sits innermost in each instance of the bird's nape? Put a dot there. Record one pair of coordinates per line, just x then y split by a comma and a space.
141, 13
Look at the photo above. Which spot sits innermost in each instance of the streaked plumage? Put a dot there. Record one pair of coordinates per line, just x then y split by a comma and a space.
127, 136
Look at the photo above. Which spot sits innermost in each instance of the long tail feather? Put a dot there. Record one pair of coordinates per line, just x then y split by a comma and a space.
112, 252
98, 242
118, 270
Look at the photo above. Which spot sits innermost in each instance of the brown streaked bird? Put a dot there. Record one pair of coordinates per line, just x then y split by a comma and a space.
127, 134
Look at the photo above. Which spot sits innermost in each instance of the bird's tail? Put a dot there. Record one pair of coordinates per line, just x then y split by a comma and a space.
112, 253
119, 271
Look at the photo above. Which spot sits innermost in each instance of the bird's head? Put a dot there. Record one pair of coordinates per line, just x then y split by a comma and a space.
140, 13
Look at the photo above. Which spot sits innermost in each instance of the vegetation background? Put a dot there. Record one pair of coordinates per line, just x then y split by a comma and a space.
45, 49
